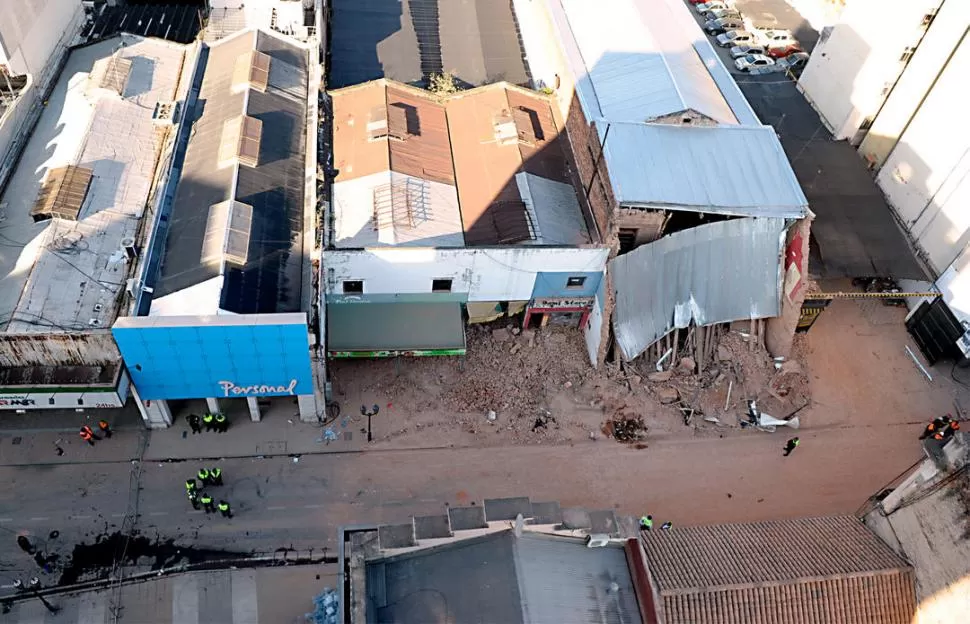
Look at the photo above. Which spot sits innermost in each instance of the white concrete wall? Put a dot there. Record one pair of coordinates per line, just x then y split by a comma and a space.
845, 78
32, 29
542, 50
926, 178
593, 332
202, 298
934, 51
493, 274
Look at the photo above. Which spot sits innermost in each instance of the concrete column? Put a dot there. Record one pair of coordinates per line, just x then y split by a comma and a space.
308, 407
213, 405
254, 413
155, 414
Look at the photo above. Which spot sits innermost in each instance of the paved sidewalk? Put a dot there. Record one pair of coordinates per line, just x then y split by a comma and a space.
248, 596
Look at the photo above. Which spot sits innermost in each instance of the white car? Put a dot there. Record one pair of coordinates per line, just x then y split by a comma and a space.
735, 37
749, 62
710, 6
778, 39
716, 14
744, 50
793, 62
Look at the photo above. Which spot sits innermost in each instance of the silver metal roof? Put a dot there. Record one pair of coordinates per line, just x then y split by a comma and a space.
715, 273
632, 64
737, 170
59, 274
554, 209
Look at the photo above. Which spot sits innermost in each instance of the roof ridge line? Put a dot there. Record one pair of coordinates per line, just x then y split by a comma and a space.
800, 580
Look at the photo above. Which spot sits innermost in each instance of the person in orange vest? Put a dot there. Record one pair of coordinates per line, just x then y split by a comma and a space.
935, 427
105, 428
87, 435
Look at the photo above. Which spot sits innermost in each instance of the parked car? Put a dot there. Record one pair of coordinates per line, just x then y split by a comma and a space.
722, 13
707, 7
732, 38
747, 63
778, 39
794, 63
777, 53
744, 50
697, 1
717, 26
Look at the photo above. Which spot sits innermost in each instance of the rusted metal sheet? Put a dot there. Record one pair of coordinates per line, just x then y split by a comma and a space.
62, 349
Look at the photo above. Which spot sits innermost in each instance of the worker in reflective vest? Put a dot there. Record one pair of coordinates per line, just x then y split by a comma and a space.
206, 501
207, 420
215, 476
87, 435
222, 425
203, 475
224, 509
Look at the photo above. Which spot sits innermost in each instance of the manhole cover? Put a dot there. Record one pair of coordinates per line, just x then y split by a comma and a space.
17, 440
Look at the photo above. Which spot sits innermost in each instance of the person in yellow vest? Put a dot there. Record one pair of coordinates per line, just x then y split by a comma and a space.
208, 421
224, 509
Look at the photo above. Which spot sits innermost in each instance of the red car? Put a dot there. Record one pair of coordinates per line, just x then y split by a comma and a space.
697, 1
783, 52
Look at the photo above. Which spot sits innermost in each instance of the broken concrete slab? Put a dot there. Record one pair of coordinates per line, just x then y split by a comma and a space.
575, 518
660, 376
667, 394
429, 527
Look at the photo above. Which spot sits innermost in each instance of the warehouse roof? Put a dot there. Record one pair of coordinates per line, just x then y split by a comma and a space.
810, 570
406, 40
86, 175
237, 222
633, 60
505, 578
666, 166
484, 166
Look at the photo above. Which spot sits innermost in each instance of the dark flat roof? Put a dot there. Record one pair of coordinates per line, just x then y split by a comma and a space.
175, 22
406, 40
395, 326
271, 280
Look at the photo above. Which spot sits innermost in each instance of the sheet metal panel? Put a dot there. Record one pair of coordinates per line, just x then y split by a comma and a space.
714, 273
686, 169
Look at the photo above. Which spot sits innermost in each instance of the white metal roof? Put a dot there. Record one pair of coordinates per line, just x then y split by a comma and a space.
556, 215
715, 273
634, 60
65, 275
435, 219
738, 170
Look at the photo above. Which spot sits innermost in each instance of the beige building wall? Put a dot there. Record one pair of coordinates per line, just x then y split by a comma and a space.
854, 68
931, 57
926, 178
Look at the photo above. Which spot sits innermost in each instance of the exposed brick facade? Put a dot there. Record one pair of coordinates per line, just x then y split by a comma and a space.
592, 176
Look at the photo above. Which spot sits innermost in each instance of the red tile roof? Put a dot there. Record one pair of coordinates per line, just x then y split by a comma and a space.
811, 571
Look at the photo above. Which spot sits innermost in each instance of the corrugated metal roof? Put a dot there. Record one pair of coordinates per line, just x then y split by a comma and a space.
555, 210
811, 570
635, 66
477, 140
560, 580
405, 40
715, 273
738, 170
271, 280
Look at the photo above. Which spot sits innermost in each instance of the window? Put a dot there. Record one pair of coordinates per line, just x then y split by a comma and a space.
441, 285
575, 282
353, 287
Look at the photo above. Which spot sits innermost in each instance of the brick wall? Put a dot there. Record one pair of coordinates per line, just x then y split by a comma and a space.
585, 147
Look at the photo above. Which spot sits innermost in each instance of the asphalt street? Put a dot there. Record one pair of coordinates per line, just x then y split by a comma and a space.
279, 503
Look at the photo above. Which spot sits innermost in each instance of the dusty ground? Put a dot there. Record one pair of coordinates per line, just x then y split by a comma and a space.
538, 387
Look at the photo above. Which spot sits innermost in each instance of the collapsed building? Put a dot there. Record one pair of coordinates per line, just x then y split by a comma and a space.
694, 196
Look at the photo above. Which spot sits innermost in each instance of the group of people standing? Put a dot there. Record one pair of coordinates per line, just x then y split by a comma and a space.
941, 429
212, 422
210, 477
88, 435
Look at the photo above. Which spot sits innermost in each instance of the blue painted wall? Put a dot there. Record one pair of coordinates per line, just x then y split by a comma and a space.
550, 284
199, 361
